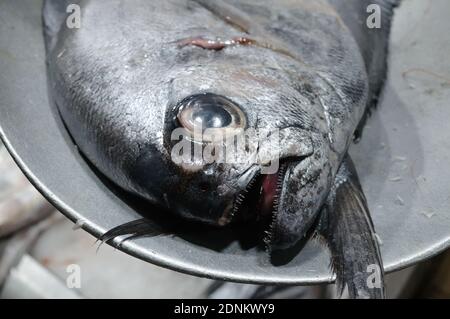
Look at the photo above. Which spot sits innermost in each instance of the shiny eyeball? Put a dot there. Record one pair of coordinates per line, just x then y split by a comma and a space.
209, 117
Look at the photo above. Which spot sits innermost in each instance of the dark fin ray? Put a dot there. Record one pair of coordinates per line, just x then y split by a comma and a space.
137, 228
145, 232
350, 234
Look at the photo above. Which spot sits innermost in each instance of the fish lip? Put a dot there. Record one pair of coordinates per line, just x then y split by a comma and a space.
254, 189
242, 195
243, 184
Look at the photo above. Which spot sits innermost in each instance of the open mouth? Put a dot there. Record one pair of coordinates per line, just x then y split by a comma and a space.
259, 201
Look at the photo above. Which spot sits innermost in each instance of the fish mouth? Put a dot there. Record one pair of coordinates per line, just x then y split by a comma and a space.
258, 202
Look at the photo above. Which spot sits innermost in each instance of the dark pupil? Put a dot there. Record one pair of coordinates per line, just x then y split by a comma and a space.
209, 113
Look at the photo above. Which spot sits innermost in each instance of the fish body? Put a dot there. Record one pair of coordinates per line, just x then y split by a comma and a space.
136, 71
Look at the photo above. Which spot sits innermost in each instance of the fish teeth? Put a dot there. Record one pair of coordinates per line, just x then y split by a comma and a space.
268, 239
239, 198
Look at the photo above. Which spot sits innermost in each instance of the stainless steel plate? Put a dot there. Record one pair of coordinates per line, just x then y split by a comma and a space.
403, 159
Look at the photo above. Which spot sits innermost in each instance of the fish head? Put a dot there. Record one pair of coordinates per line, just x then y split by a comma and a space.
244, 139
179, 100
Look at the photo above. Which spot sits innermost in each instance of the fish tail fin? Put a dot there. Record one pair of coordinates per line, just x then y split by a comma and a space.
350, 235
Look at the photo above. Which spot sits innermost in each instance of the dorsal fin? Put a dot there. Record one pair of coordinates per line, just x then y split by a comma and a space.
373, 43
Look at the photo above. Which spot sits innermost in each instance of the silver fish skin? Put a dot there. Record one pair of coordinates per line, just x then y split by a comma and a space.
309, 69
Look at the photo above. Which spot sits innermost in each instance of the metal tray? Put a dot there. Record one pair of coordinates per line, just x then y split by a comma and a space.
403, 158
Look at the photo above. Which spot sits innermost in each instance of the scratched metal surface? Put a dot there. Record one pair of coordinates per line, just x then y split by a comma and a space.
402, 160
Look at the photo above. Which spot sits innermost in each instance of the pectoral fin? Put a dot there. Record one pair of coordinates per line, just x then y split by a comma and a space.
350, 234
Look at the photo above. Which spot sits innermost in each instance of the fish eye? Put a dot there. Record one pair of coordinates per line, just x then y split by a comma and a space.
209, 117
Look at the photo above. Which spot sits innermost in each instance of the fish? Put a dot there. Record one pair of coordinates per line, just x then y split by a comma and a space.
305, 73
